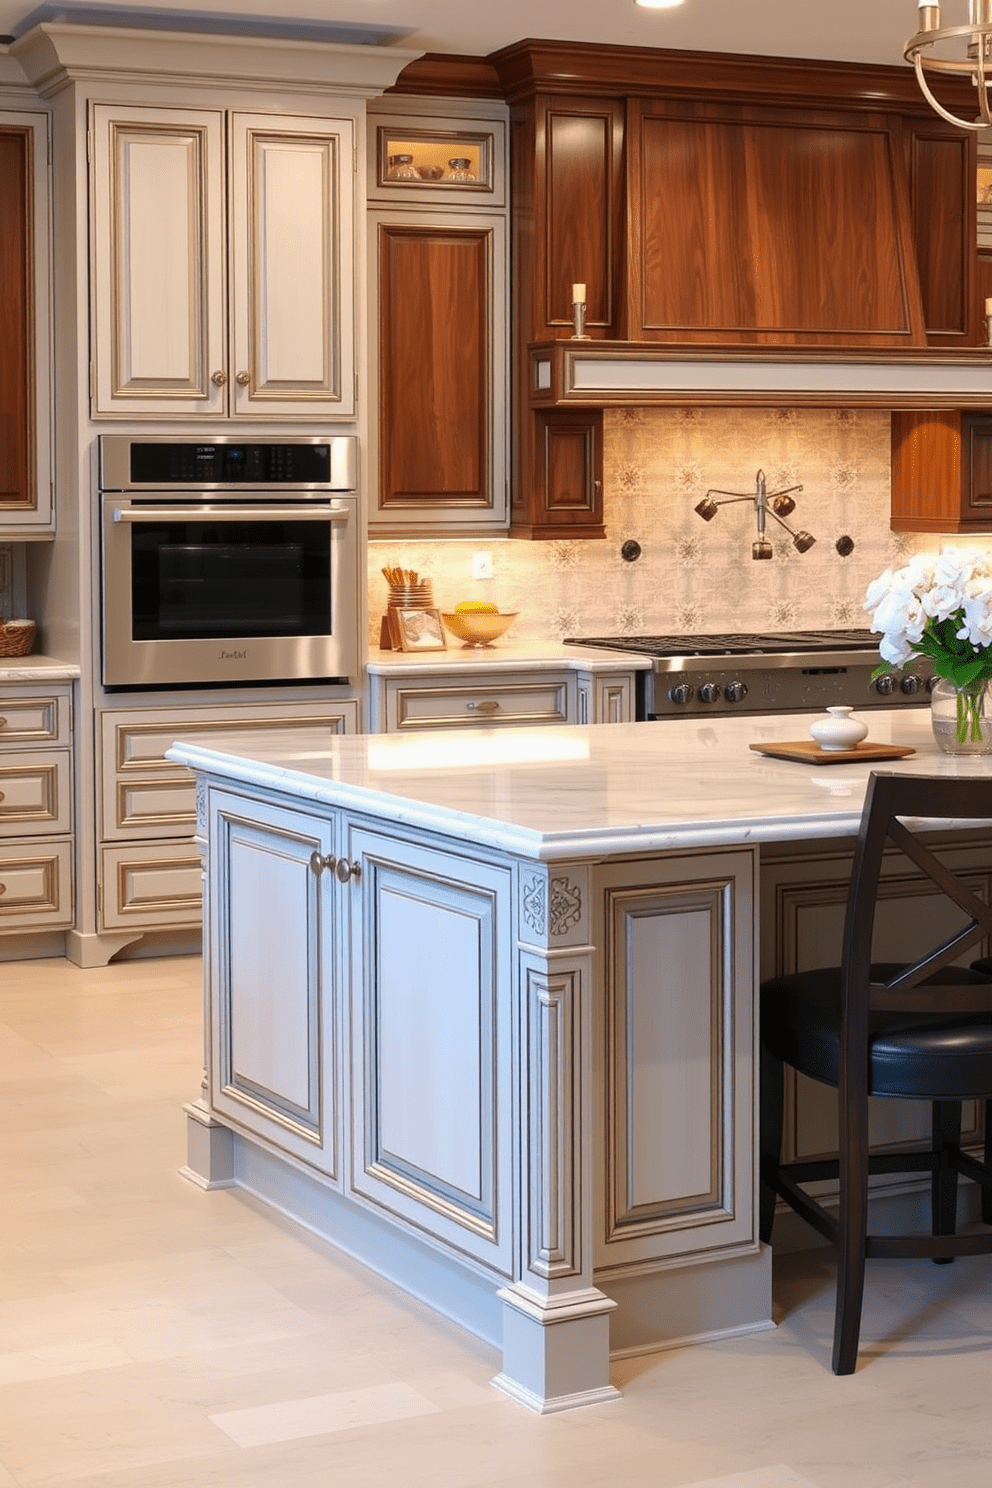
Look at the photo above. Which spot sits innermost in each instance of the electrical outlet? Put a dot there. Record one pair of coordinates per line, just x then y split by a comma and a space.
482, 565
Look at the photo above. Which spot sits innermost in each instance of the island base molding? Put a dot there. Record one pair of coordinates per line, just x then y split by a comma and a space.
556, 1351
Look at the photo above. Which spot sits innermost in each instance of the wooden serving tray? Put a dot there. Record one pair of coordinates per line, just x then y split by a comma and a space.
808, 752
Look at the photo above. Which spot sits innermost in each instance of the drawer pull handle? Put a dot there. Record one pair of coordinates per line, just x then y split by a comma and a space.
490, 706
3, 795
318, 862
346, 870
3, 723
3, 888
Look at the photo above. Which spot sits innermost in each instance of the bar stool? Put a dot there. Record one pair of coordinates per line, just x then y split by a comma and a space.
921, 1030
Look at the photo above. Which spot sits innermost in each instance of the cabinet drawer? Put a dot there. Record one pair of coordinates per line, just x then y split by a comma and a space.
145, 795
541, 700
34, 794
39, 718
35, 885
155, 885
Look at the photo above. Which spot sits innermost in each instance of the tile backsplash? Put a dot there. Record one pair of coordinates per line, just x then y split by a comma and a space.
694, 575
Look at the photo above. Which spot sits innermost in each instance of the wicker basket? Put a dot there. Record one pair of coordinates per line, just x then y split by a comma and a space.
16, 637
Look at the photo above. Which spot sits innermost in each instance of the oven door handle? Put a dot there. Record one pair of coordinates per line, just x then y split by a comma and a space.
139, 514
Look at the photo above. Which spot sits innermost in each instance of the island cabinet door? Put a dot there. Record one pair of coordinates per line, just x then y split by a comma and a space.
675, 1062
431, 1088
273, 1029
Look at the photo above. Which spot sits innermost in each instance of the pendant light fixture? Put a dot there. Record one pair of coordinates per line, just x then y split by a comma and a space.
955, 51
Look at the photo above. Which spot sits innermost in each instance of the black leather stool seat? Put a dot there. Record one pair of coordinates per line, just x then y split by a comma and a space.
929, 1056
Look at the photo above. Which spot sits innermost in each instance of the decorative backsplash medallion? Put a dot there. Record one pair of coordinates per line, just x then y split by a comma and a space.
691, 575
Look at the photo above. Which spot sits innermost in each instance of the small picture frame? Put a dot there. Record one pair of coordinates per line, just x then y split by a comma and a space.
420, 630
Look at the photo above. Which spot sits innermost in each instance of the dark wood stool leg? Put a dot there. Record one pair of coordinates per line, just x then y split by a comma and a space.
946, 1130
772, 1095
853, 1230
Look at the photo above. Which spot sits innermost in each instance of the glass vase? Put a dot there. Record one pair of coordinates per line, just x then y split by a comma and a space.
962, 717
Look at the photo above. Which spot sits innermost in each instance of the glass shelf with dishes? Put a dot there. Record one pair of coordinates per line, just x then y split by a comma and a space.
425, 158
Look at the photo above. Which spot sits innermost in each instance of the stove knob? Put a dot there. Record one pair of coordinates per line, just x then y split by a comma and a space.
932, 682
710, 692
886, 686
910, 684
681, 693
735, 692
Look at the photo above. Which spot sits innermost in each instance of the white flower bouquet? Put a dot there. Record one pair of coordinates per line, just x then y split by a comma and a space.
939, 606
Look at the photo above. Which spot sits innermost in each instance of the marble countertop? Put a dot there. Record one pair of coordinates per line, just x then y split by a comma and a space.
14, 669
505, 655
555, 793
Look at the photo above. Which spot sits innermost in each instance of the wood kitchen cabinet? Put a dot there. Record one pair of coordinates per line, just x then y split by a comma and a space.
25, 328
36, 808
222, 264
942, 472
438, 269
149, 870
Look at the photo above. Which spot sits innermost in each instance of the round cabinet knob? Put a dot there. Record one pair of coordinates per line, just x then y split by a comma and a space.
681, 693
710, 692
735, 692
218, 379
885, 686
346, 870
910, 684
243, 379
932, 682
318, 862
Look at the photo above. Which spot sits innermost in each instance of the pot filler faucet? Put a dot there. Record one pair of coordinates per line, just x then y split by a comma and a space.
779, 503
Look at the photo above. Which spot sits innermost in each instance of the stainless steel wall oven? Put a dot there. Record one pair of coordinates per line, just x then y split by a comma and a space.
229, 562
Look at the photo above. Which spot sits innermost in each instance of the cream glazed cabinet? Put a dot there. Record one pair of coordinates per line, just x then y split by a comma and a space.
518, 685
36, 815
149, 869
223, 264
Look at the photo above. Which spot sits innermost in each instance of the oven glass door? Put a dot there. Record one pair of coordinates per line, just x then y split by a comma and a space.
196, 580
195, 595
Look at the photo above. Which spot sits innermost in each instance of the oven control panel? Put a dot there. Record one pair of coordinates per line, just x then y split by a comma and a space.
161, 464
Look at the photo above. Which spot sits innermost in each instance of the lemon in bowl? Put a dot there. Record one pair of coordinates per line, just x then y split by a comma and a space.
476, 623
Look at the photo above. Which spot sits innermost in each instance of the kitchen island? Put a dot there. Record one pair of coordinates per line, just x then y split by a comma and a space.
481, 1009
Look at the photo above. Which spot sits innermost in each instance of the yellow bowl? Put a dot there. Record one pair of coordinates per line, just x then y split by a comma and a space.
478, 627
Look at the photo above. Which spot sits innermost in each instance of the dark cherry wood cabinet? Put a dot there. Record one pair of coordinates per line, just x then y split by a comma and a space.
564, 498
435, 290
16, 325
942, 472
763, 226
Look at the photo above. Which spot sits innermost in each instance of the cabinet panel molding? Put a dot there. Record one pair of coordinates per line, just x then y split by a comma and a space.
677, 1040
273, 1062
158, 260
35, 886
26, 441
293, 320
432, 1042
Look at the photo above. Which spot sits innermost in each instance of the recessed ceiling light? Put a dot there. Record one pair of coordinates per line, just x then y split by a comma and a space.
659, 4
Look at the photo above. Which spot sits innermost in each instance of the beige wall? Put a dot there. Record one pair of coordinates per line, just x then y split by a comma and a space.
694, 575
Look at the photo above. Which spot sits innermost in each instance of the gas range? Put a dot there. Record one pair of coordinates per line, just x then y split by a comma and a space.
778, 672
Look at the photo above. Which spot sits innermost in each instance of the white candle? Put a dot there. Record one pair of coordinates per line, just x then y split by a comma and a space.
578, 294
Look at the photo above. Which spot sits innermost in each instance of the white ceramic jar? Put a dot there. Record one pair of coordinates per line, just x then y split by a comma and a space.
838, 730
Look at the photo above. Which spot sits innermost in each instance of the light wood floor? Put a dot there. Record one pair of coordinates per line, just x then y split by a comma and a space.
155, 1336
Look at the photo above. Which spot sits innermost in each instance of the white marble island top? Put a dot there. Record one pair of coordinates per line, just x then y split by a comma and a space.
555, 793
